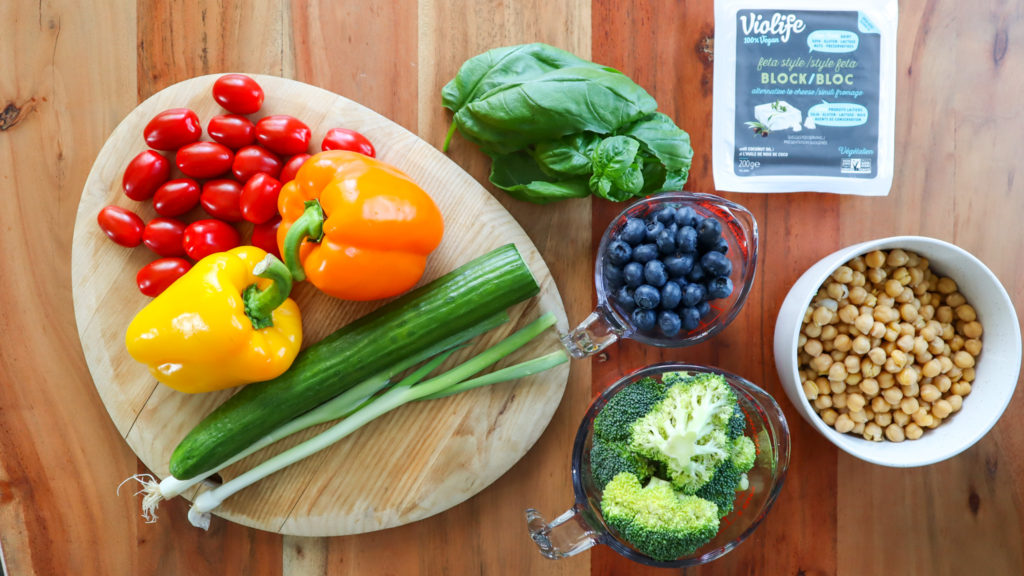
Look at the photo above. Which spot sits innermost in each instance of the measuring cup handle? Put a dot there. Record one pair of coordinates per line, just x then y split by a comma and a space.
594, 334
565, 536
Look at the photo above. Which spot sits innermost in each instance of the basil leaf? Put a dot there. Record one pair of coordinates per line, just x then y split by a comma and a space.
555, 104
617, 169
569, 155
666, 141
484, 72
520, 175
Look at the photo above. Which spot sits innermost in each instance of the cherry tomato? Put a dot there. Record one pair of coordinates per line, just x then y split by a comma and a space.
345, 139
164, 236
204, 159
259, 198
156, 276
172, 129
221, 199
238, 93
265, 236
232, 130
121, 225
291, 167
252, 160
283, 134
144, 174
176, 197
205, 237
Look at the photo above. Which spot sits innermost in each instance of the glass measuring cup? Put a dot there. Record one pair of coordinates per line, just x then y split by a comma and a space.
608, 322
582, 526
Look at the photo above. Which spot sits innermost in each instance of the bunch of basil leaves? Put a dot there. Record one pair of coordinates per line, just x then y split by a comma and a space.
557, 126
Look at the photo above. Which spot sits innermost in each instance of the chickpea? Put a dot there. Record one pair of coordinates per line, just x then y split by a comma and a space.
893, 287
913, 431
941, 409
875, 259
883, 418
837, 291
886, 380
842, 342
823, 401
812, 330
899, 360
860, 345
946, 285
907, 376
948, 332
872, 432
837, 386
875, 275
879, 405
857, 264
869, 369
901, 275
822, 315
843, 274
877, 356
908, 312
810, 390
853, 379
912, 390
929, 393
892, 333
944, 314
864, 323
848, 314
829, 416
828, 333
892, 395
877, 330
839, 401
821, 363
972, 329
858, 416
920, 346
942, 382
955, 300
858, 294
927, 311
923, 357
897, 258
855, 402
968, 375
963, 359
922, 417
955, 374
852, 364
900, 418
859, 279
837, 372
905, 342
894, 432
909, 405
966, 313
813, 347
916, 276
955, 402
869, 386
960, 388
973, 346
844, 424
858, 428
929, 333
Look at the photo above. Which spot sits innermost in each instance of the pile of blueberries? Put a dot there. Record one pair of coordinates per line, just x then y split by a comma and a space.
664, 269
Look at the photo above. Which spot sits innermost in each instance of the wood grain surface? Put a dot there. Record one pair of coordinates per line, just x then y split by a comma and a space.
73, 70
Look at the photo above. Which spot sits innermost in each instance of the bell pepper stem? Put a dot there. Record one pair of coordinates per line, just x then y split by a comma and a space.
260, 304
309, 225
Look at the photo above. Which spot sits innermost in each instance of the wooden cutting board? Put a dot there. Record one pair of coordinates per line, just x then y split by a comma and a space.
412, 463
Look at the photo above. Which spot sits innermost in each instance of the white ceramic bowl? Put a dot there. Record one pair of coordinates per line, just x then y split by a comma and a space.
995, 373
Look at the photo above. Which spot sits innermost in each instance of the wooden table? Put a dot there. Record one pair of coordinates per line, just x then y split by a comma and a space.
71, 70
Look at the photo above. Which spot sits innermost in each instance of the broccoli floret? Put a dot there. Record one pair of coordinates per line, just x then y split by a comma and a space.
729, 476
737, 423
625, 407
609, 458
687, 430
655, 519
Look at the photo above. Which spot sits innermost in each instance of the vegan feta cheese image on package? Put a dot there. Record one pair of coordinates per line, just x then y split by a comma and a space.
804, 96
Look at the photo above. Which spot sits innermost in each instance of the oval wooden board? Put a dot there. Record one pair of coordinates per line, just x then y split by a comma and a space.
412, 463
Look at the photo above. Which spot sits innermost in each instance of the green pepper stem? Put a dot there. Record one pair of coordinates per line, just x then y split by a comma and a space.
311, 225
260, 304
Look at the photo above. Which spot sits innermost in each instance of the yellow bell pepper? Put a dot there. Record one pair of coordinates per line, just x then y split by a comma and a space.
227, 322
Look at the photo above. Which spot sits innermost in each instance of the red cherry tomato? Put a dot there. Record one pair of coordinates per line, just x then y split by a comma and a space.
156, 276
238, 93
176, 197
252, 160
144, 174
172, 129
232, 130
205, 237
164, 236
283, 134
221, 199
259, 198
121, 225
204, 159
291, 167
265, 236
345, 139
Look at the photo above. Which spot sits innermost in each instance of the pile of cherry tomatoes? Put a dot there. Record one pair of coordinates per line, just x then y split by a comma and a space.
235, 178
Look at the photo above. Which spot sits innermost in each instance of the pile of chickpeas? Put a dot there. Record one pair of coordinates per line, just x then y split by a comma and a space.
887, 347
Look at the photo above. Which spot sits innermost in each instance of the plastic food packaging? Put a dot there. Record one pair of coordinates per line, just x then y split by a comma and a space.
804, 96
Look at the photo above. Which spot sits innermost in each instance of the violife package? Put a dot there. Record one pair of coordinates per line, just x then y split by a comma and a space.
804, 96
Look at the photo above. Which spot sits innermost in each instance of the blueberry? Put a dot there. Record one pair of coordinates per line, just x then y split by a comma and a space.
720, 287
623, 298
613, 277
722, 246
716, 264
708, 233
692, 295
666, 215
644, 253
654, 227
618, 252
646, 297
633, 231
633, 274
696, 273
690, 318
671, 295
644, 319
655, 273
686, 216
703, 308
686, 239
666, 241
669, 323
679, 265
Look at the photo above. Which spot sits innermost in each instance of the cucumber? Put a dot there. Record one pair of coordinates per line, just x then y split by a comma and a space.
450, 304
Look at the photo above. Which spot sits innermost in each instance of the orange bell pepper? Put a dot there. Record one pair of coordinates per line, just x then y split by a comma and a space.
356, 227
